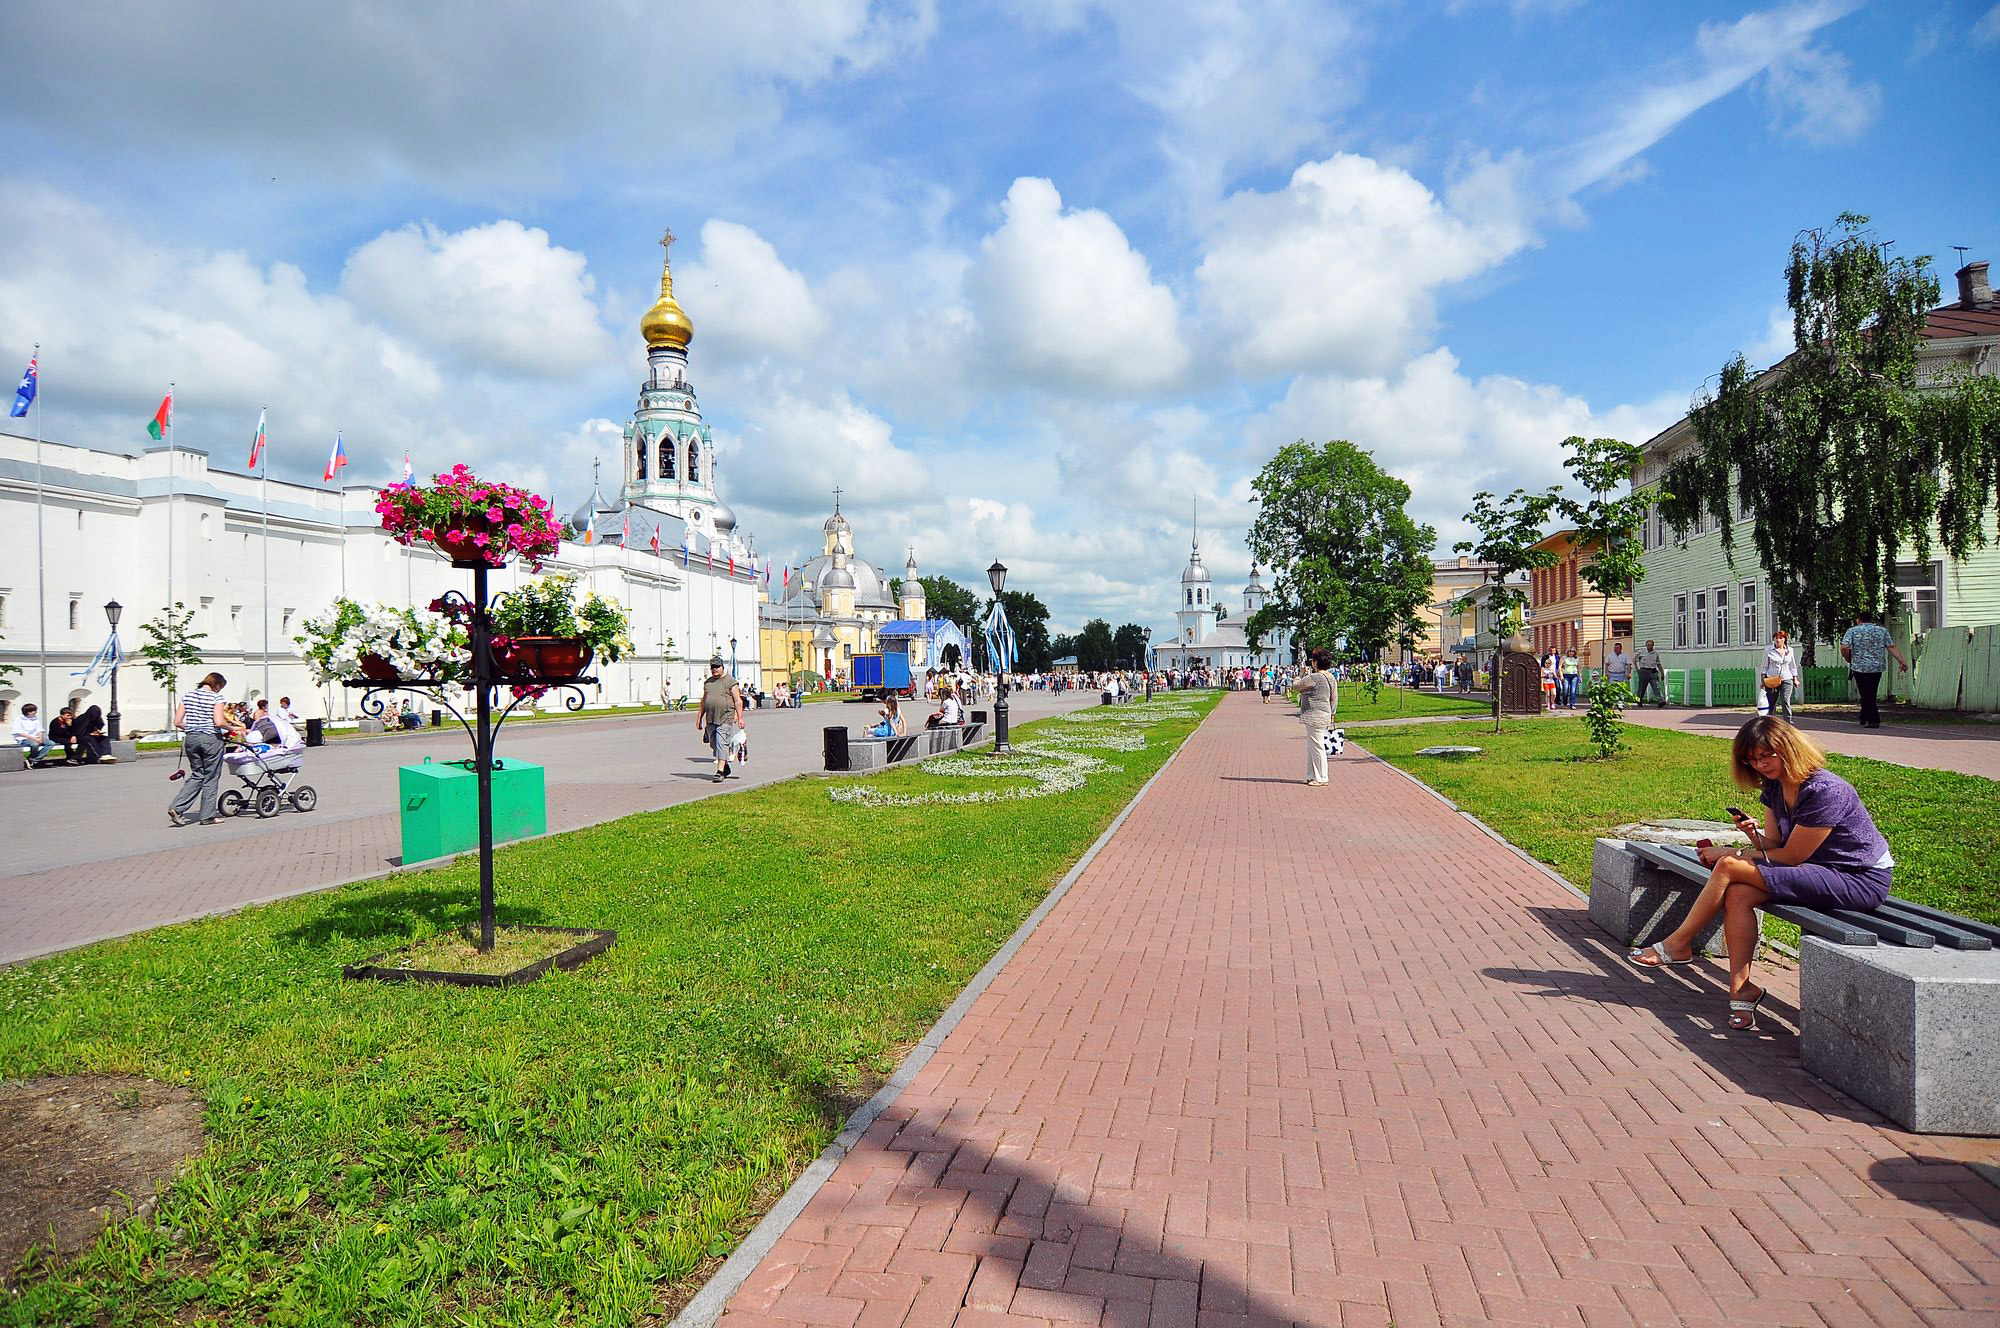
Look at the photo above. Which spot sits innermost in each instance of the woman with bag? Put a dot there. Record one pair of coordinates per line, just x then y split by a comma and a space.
1780, 678
1316, 701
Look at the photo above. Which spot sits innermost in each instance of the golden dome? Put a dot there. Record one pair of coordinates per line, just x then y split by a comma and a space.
664, 324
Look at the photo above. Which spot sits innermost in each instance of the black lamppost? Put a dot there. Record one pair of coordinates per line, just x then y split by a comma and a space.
1148, 662
996, 576
732, 659
113, 611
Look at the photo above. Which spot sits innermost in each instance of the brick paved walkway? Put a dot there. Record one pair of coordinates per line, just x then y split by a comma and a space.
1333, 1056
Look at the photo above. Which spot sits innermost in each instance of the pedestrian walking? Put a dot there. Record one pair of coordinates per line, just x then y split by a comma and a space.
720, 716
1317, 698
1866, 647
1779, 678
1572, 670
1652, 675
1618, 664
196, 716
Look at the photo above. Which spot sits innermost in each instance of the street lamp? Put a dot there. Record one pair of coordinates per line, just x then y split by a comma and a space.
996, 576
113, 611
732, 659
1149, 662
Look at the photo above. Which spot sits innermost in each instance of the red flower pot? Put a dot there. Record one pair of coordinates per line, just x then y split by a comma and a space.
457, 545
548, 656
376, 669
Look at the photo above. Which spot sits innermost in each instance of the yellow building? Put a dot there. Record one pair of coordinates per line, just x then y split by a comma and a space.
818, 617
1564, 613
1444, 628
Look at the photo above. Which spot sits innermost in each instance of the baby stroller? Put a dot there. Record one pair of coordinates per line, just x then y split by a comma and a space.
270, 775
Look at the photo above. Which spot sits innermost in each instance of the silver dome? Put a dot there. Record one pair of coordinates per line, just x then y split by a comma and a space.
725, 519
838, 579
1195, 572
835, 522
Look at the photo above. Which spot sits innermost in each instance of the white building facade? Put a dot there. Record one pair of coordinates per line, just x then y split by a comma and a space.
1200, 640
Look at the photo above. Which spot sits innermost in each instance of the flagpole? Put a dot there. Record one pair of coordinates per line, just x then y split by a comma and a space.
41, 554
265, 460
168, 434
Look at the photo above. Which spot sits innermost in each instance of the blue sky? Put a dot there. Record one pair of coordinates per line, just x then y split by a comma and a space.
1026, 279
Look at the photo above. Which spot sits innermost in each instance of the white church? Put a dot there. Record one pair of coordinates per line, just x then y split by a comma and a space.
1202, 638
152, 527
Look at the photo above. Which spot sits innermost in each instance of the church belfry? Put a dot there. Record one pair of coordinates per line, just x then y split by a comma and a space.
669, 455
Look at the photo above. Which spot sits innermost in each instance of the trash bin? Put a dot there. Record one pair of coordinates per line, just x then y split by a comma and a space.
315, 733
440, 806
437, 718
834, 740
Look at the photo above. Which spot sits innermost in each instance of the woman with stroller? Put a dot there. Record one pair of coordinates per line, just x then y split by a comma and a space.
201, 715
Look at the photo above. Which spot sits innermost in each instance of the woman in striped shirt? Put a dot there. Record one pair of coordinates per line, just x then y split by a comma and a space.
201, 743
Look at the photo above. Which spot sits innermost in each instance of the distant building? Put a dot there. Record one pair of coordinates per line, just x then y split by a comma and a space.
1711, 612
1447, 630
1564, 613
1200, 640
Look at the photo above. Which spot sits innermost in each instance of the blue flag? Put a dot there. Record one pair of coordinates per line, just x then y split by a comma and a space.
24, 395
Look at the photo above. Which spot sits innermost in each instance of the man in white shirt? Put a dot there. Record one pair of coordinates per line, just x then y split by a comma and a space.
30, 735
1618, 667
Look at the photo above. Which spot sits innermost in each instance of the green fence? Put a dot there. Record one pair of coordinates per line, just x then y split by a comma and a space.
1826, 685
1732, 687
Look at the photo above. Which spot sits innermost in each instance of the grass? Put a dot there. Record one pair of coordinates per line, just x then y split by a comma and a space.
1396, 703
1540, 785
458, 951
565, 1152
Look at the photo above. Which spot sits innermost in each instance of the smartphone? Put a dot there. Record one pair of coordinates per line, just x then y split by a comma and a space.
1736, 812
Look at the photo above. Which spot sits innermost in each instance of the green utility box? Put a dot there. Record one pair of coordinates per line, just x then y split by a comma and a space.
441, 806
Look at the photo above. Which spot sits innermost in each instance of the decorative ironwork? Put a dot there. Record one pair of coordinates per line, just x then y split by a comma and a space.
482, 726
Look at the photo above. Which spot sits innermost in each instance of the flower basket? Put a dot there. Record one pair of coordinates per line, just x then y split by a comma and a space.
470, 520
542, 657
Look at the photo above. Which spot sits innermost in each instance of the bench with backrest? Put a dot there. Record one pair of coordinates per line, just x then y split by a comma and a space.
1897, 1004
870, 753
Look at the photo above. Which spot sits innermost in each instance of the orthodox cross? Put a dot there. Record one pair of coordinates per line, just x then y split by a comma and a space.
837, 491
667, 240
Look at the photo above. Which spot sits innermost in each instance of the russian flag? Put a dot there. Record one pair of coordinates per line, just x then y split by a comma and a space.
257, 443
336, 458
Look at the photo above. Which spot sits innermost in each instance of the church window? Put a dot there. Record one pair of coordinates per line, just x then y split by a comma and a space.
694, 462
639, 455
667, 458
1190, 596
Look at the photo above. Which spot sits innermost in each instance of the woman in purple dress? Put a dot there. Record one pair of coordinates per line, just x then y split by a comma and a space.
1817, 846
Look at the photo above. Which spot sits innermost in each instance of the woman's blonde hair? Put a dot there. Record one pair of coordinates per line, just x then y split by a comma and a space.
1796, 753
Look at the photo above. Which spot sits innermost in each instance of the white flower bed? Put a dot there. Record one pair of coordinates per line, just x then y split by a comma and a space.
1056, 760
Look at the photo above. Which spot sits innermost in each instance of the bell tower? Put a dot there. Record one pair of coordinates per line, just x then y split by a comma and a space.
669, 454
1196, 610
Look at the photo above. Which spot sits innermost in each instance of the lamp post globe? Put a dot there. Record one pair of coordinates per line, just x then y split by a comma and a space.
113, 611
996, 576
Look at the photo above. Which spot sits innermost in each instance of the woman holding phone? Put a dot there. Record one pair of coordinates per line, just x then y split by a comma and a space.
1816, 846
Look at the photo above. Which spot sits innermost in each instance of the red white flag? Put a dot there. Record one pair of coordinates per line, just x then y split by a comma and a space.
257, 443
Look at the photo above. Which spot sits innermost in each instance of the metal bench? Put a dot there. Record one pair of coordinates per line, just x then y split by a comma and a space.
1897, 1005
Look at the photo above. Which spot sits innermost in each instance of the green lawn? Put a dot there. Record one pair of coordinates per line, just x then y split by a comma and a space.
565, 1152
1396, 703
1540, 785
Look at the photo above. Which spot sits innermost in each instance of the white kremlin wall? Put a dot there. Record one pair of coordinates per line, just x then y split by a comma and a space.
105, 536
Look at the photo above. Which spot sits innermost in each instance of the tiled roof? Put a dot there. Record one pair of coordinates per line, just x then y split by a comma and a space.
1955, 320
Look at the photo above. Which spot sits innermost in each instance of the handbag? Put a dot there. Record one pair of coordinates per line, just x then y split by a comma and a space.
1773, 681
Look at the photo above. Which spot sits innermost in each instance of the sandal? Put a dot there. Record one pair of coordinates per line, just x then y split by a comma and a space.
1743, 1014
1655, 956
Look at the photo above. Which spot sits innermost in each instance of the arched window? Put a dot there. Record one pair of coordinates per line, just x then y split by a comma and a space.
1190, 596
694, 462
639, 456
667, 457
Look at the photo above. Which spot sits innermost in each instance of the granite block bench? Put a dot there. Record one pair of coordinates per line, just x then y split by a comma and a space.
867, 753
1897, 1005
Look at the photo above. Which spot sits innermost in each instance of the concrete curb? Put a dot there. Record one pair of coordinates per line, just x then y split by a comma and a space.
708, 1303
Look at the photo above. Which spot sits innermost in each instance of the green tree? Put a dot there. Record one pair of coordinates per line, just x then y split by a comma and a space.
1062, 647
1096, 648
1129, 646
1348, 559
1607, 521
1837, 459
170, 646
945, 598
1509, 528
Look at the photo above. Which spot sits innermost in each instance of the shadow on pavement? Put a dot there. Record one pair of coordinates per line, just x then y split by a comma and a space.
1691, 1003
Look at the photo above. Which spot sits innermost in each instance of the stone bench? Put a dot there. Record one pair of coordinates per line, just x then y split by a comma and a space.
12, 758
865, 753
1896, 1005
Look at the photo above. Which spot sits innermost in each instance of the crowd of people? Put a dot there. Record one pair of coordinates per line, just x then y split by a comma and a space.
68, 739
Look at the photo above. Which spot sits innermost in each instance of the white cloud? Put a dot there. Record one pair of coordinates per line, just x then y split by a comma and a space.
1448, 435
1065, 301
1986, 32
751, 302
802, 447
1337, 271
1238, 84
500, 294
119, 316
1776, 342
478, 93
1813, 97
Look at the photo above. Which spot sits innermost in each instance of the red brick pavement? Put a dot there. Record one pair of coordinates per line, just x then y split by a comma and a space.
1333, 1056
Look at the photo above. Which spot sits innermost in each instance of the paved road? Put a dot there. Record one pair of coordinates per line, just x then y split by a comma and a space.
89, 853
1970, 749
1327, 1056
